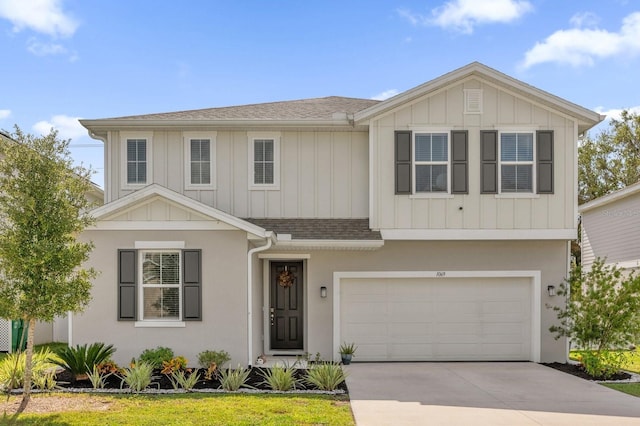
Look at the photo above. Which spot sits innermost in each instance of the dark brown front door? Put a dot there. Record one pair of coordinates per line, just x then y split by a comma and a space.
285, 311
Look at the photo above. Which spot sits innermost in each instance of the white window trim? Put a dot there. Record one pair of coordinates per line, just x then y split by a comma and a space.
160, 246
187, 136
148, 136
414, 193
275, 136
533, 193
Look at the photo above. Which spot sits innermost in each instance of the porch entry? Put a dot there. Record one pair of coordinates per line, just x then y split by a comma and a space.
286, 305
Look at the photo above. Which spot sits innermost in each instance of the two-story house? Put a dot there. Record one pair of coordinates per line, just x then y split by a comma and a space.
424, 227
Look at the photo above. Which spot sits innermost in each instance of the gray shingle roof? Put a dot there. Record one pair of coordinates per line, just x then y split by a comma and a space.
303, 109
320, 229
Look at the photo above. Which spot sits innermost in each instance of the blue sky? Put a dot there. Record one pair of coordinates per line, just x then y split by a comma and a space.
70, 59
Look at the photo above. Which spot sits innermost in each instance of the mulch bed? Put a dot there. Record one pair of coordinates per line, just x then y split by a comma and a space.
161, 381
579, 371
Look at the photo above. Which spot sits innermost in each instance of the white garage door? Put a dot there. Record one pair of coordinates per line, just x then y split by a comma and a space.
437, 319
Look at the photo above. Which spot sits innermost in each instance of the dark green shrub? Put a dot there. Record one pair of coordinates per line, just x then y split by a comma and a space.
155, 357
81, 359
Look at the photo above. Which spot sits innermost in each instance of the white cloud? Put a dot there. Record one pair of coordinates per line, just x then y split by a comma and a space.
42, 16
45, 49
616, 113
67, 127
385, 95
4, 113
584, 19
464, 15
582, 46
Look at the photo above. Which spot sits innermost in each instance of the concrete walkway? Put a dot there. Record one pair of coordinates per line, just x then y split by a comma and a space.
482, 393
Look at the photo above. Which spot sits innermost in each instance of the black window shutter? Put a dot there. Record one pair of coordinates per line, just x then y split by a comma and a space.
459, 162
403, 161
488, 162
127, 281
544, 161
192, 285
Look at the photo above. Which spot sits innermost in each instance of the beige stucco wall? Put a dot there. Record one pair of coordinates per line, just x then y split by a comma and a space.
224, 298
323, 174
549, 257
443, 110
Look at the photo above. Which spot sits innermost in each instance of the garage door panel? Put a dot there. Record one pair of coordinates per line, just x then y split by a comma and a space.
437, 319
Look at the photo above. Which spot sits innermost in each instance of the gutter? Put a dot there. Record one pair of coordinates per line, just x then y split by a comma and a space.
269, 237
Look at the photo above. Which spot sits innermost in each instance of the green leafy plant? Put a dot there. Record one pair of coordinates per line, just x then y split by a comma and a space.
326, 376
81, 359
97, 377
108, 367
232, 380
12, 370
602, 314
174, 364
180, 379
219, 358
280, 378
137, 377
156, 356
348, 348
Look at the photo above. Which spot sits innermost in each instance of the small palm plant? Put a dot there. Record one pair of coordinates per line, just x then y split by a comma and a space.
81, 360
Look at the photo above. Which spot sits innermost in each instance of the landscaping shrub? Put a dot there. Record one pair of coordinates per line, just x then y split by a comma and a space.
326, 376
232, 380
80, 360
174, 364
156, 356
280, 378
138, 376
13, 365
213, 361
179, 379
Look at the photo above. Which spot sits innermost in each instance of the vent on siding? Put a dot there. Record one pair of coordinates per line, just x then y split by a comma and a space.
473, 101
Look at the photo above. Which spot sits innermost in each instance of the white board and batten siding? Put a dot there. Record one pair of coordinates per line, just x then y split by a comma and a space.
323, 174
443, 111
439, 316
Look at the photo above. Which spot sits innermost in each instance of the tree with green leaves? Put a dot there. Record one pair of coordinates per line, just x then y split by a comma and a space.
601, 315
43, 209
611, 161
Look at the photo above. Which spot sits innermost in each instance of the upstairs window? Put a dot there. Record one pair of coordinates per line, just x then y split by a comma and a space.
264, 160
431, 161
200, 160
516, 162
136, 159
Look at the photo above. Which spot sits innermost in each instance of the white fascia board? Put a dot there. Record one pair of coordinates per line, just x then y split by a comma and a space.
479, 234
330, 244
145, 124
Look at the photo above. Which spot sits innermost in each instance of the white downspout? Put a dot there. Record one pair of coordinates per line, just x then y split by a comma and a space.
267, 246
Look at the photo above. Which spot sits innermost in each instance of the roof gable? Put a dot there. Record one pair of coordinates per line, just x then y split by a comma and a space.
611, 198
155, 203
585, 117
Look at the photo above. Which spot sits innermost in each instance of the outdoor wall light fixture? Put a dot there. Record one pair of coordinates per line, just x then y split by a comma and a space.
323, 292
551, 289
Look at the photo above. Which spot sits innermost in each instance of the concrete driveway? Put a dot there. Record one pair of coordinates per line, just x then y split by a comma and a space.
482, 393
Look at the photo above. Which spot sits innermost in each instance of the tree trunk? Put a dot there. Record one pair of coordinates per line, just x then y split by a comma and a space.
28, 368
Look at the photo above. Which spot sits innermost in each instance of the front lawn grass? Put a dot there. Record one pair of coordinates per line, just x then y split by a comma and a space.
201, 409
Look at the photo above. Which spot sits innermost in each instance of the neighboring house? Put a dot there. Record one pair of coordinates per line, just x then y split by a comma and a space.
423, 227
611, 229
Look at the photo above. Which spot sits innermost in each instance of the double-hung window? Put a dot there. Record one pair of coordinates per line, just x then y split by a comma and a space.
200, 150
431, 162
161, 284
264, 160
136, 158
516, 162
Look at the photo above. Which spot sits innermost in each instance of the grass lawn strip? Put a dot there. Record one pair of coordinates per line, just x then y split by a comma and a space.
630, 388
190, 409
